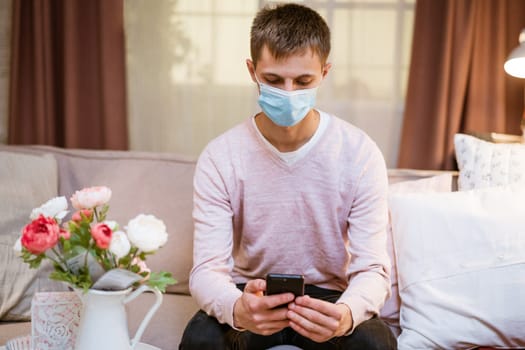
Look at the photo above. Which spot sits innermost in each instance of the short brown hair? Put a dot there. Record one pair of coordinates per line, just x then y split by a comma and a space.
287, 29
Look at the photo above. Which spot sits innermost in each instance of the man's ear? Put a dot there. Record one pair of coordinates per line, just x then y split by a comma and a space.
326, 69
251, 69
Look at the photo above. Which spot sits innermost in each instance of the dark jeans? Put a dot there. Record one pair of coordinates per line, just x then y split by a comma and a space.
204, 332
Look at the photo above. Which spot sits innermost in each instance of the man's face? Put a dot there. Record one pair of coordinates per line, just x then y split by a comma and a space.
296, 72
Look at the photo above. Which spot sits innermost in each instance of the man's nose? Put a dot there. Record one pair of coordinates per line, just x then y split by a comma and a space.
289, 85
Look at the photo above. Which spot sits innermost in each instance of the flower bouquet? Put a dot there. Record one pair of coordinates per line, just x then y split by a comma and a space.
89, 251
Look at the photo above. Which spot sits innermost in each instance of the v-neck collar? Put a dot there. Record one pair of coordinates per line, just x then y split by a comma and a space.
274, 153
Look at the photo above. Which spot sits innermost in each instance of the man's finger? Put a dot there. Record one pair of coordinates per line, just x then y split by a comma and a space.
255, 286
276, 300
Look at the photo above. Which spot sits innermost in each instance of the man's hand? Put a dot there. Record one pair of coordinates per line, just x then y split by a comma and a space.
319, 320
256, 313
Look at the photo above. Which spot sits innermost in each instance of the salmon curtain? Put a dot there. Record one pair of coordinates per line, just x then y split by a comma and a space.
456, 79
67, 84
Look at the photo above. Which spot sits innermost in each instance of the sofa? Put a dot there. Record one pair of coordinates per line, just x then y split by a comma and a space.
142, 182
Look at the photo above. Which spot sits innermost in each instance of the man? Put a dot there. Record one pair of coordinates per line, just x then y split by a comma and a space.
291, 190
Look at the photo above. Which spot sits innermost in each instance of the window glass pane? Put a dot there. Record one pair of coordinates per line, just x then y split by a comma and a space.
407, 37
212, 48
363, 51
192, 6
235, 6
369, 35
232, 48
191, 52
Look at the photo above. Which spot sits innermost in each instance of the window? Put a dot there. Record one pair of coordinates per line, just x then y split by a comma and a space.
188, 82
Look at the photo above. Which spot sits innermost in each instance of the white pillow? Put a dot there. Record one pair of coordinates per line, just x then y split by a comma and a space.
485, 164
461, 263
440, 183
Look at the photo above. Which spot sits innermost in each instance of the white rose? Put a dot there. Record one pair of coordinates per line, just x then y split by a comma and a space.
119, 244
91, 197
18, 246
53, 208
147, 233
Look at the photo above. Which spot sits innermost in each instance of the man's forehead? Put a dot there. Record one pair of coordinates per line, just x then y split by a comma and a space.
306, 53
306, 63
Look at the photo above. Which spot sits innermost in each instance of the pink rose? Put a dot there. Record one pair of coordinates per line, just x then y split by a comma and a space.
40, 235
88, 213
142, 266
91, 197
101, 233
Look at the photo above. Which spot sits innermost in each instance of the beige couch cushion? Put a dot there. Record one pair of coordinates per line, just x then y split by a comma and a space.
27, 181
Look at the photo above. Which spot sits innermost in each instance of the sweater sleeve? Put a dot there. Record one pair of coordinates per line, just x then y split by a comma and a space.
369, 268
211, 284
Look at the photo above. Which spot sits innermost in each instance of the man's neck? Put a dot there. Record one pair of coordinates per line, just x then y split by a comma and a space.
288, 139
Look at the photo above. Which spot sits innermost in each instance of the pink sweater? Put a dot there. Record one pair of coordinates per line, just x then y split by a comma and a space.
324, 216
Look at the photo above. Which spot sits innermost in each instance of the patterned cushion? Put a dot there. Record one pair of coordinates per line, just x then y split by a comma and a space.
485, 164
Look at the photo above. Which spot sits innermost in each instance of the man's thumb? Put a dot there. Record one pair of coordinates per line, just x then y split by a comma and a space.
257, 286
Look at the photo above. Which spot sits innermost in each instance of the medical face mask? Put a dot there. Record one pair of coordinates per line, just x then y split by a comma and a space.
285, 108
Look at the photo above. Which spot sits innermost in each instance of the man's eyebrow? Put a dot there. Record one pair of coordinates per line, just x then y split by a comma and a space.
274, 75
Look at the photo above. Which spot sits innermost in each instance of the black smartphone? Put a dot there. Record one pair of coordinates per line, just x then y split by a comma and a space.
277, 283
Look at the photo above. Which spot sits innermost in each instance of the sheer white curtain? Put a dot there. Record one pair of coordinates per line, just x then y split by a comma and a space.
5, 49
188, 82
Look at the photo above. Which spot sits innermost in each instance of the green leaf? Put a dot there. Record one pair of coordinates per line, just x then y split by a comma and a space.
34, 261
124, 261
161, 280
103, 213
66, 245
85, 218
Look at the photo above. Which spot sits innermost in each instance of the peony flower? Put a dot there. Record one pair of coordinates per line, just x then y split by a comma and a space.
119, 244
64, 233
101, 233
53, 208
147, 233
88, 213
91, 197
113, 225
40, 235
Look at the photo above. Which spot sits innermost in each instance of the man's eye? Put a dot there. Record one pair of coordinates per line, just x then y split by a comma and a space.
303, 83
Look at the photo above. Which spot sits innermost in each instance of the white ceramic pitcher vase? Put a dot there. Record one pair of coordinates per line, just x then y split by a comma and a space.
103, 321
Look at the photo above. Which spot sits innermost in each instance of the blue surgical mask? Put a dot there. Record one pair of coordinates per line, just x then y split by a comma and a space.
285, 108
